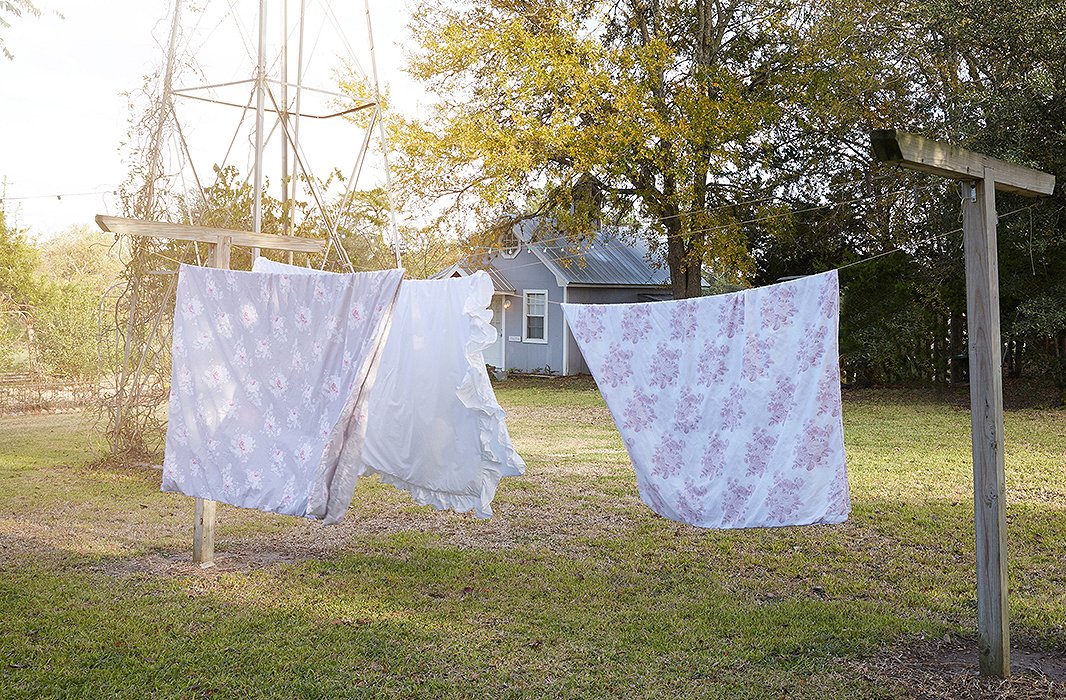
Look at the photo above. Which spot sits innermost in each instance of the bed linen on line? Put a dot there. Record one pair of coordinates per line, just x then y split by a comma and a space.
729, 406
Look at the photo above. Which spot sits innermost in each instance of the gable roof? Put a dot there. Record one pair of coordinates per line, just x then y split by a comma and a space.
500, 284
606, 260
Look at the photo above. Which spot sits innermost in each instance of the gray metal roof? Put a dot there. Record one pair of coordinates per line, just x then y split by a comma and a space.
606, 260
500, 284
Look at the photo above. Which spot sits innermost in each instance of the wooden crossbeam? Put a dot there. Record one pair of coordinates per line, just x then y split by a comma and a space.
919, 153
207, 234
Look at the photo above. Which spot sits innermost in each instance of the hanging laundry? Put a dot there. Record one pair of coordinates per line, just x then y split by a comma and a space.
435, 428
729, 406
270, 379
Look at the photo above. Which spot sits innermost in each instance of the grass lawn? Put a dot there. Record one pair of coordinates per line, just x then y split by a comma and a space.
573, 590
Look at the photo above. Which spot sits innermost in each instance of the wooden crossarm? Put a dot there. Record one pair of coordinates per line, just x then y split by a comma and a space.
207, 234
919, 153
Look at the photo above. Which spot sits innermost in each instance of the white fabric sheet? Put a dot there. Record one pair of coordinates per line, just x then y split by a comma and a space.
728, 405
435, 428
270, 380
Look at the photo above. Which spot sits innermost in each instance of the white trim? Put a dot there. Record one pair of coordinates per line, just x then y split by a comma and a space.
566, 335
525, 316
503, 330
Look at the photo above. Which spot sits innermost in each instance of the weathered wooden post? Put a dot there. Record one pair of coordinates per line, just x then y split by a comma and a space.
203, 524
981, 176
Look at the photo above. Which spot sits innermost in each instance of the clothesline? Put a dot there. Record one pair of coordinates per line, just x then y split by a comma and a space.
830, 205
577, 255
887, 252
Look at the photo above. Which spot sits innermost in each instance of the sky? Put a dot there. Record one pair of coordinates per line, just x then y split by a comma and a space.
65, 115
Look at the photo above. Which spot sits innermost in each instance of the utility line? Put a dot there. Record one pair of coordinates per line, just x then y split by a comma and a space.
59, 195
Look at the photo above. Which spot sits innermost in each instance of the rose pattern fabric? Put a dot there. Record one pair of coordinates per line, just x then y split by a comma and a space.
729, 406
237, 371
637, 325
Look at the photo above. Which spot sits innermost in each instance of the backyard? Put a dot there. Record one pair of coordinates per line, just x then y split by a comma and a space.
573, 589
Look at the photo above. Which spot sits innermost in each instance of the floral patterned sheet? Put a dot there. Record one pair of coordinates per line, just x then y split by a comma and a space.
269, 386
729, 406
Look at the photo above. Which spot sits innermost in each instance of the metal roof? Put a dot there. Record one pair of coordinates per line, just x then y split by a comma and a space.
607, 260
500, 284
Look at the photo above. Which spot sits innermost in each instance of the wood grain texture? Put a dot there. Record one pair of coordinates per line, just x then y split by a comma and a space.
203, 528
203, 533
986, 405
919, 153
206, 234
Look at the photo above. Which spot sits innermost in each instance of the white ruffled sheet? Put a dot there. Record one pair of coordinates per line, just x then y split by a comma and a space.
435, 428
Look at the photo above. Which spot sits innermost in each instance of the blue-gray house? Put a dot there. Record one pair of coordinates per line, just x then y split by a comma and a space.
538, 266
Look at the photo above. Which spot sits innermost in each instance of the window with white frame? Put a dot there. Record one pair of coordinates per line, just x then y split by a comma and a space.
511, 246
535, 314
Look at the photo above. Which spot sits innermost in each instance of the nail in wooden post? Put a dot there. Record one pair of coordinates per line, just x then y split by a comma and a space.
986, 407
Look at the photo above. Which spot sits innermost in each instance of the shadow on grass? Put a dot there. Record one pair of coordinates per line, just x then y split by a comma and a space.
658, 610
412, 619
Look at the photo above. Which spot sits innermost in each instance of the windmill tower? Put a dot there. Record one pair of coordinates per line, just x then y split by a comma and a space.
256, 107
260, 103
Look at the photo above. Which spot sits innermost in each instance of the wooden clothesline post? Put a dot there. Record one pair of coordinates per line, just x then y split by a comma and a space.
223, 240
981, 176
203, 524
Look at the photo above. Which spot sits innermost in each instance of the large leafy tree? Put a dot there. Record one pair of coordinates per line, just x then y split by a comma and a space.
1015, 94
670, 114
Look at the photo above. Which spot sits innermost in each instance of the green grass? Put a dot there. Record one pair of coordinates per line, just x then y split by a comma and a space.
573, 589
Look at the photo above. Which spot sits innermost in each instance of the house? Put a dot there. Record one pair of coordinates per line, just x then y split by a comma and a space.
535, 271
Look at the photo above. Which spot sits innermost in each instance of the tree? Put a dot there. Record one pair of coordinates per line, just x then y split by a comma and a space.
20, 292
669, 114
1013, 61
9, 10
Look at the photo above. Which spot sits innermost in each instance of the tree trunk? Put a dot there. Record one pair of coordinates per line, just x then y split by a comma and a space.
31, 346
685, 278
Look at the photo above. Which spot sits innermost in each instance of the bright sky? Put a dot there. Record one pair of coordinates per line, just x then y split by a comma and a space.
64, 114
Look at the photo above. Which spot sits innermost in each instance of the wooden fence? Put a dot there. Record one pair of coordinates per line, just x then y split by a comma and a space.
28, 393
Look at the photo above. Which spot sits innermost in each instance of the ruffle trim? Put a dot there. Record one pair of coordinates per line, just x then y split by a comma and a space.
498, 456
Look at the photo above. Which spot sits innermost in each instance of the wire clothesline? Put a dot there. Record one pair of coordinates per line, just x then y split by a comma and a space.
886, 252
841, 267
578, 254
722, 227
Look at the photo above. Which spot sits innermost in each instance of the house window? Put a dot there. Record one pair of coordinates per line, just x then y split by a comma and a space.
535, 314
510, 245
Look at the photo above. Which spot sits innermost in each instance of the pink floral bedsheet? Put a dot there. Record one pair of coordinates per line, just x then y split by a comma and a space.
729, 406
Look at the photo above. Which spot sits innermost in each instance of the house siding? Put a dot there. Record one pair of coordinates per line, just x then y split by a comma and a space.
596, 295
526, 271
560, 355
